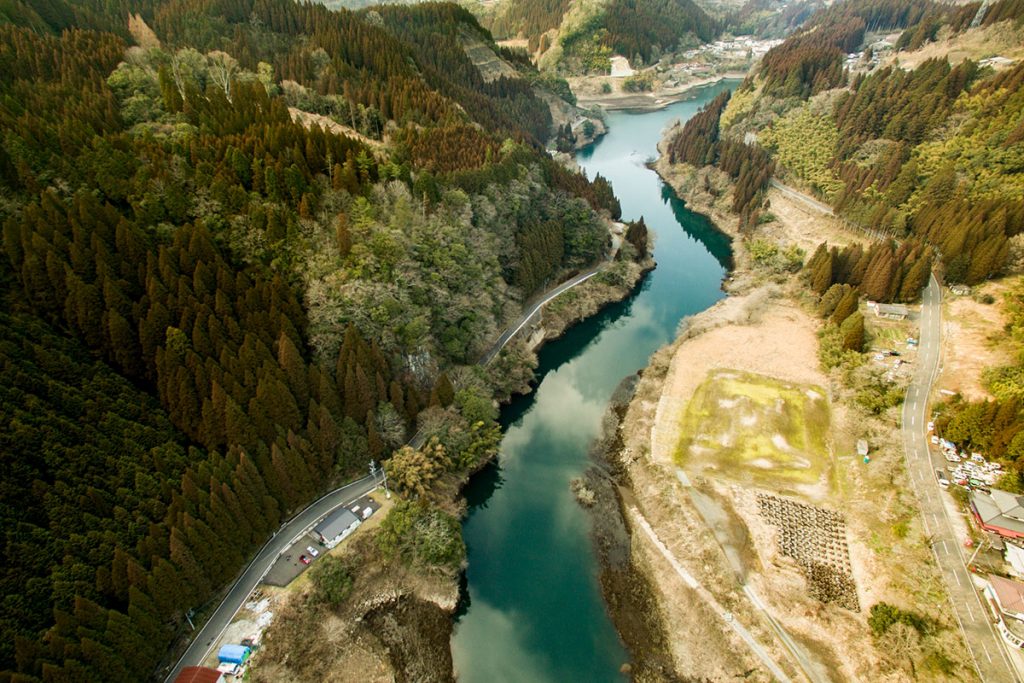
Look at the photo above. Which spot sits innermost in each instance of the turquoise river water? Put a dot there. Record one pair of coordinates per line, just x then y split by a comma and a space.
532, 608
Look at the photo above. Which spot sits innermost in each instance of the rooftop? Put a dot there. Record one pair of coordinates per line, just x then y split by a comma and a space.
892, 309
1010, 504
1009, 593
198, 674
335, 523
990, 513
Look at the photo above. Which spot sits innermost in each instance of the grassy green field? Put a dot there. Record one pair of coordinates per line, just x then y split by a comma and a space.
757, 430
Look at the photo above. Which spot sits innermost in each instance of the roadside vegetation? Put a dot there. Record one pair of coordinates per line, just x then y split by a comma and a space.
995, 427
214, 312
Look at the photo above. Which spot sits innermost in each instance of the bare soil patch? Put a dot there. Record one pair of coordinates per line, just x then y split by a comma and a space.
784, 338
588, 93
801, 225
971, 339
307, 119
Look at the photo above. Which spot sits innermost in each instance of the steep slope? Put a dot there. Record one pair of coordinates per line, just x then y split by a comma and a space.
580, 37
879, 145
216, 309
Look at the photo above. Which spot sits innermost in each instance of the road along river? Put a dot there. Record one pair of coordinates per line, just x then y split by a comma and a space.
532, 608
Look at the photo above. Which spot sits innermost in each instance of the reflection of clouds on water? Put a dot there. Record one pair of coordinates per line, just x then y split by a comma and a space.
504, 637
536, 612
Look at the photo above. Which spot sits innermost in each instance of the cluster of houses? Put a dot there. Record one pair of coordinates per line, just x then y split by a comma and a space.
713, 58
1001, 513
740, 47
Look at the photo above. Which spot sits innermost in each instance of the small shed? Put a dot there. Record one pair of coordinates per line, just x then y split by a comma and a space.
892, 311
862, 447
234, 654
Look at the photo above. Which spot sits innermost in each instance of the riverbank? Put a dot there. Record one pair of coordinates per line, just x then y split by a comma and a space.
395, 622
707, 514
589, 95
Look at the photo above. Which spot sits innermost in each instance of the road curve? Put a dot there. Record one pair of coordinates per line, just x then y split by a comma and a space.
507, 335
204, 639
984, 644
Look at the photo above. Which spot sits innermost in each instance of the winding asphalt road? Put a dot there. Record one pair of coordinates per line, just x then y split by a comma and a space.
980, 636
508, 334
207, 636
204, 640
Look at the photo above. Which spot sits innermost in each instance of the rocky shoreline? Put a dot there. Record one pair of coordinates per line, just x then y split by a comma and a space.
631, 590
626, 587
433, 620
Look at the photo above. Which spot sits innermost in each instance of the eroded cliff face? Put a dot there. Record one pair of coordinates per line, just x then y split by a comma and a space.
415, 636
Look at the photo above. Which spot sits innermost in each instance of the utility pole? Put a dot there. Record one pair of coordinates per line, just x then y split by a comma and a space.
384, 475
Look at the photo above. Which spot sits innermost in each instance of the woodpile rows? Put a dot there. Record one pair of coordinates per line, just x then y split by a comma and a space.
816, 538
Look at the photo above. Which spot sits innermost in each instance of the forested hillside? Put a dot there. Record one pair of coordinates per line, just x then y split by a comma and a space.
933, 156
213, 312
879, 145
589, 34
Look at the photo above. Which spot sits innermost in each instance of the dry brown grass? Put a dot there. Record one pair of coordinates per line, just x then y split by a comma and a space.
1001, 39
767, 332
801, 225
971, 339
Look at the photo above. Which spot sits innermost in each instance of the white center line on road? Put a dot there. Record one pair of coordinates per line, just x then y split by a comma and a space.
957, 577
985, 648
944, 548
969, 610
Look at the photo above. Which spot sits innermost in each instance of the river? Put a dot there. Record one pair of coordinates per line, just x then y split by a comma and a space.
532, 609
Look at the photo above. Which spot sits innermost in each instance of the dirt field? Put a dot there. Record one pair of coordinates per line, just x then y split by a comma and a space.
971, 339
799, 224
876, 543
758, 431
786, 343
817, 559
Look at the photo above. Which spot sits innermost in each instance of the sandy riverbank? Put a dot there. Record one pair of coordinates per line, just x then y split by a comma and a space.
765, 330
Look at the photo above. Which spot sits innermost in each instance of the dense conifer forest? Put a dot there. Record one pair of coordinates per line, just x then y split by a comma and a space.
879, 147
213, 311
641, 31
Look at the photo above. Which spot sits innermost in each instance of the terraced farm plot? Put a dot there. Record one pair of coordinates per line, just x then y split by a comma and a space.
759, 431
